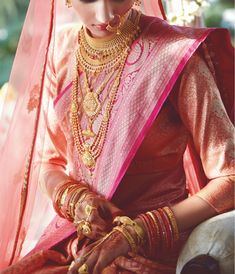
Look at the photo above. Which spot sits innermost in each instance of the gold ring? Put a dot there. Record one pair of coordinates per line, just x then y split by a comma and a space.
88, 209
86, 228
83, 269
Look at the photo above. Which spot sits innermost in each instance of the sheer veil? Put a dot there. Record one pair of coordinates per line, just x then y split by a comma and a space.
25, 210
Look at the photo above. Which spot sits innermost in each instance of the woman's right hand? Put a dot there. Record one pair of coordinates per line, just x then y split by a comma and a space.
98, 213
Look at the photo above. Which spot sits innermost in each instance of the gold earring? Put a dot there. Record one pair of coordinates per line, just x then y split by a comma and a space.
68, 3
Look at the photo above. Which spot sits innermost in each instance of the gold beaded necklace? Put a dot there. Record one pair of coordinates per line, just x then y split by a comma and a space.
89, 61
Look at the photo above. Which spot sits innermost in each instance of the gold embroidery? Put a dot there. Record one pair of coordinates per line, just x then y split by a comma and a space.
34, 98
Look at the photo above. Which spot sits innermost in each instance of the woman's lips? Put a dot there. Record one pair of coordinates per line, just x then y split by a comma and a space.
101, 26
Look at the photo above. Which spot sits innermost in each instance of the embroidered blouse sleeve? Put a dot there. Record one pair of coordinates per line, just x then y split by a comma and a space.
203, 113
52, 155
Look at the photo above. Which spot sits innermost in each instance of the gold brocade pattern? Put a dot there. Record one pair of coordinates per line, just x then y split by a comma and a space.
206, 113
34, 98
163, 147
202, 117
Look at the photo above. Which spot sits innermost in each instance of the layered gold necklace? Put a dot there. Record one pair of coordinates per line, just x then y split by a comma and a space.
95, 56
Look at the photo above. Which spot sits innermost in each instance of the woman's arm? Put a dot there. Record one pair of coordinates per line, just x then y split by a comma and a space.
203, 113
51, 155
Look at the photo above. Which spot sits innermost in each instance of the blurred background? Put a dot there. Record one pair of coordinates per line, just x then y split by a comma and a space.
211, 13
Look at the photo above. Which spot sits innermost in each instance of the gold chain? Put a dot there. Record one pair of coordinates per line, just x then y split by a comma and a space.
89, 152
97, 55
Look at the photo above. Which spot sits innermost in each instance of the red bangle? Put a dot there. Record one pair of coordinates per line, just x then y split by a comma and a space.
173, 222
161, 229
151, 234
167, 225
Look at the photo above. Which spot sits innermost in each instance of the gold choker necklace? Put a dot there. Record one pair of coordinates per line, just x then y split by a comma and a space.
96, 55
93, 57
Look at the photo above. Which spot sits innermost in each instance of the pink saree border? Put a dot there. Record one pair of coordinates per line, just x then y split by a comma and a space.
156, 110
61, 94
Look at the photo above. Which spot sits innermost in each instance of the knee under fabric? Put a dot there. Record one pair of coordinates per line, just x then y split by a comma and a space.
215, 238
202, 264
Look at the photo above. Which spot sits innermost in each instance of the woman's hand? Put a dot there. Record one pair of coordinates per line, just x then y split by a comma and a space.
99, 255
97, 214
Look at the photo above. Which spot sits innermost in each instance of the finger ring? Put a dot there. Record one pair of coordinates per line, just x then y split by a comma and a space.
83, 269
88, 209
86, 228
71, 265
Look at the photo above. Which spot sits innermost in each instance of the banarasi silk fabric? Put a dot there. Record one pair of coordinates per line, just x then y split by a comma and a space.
143, 115
23, 206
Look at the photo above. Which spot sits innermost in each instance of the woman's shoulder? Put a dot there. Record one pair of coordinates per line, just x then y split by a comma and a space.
154, 27
66, 38
68, 31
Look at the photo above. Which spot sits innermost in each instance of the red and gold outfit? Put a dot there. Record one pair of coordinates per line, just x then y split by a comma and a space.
155, 177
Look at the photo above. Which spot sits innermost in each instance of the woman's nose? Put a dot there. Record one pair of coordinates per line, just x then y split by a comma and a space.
103, 11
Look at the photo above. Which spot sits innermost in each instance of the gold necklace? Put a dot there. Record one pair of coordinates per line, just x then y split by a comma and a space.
92, 105
90, 151
96, 55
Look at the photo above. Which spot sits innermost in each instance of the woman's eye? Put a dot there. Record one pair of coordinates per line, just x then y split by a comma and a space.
88, 1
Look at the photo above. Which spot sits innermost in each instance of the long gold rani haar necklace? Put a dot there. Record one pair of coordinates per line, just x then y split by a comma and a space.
93, 57
91, 103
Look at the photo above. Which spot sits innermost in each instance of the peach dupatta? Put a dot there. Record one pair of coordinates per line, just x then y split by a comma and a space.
24, 210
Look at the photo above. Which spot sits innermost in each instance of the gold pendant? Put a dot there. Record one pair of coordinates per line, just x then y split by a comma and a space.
88, 159
91, 104
88, 133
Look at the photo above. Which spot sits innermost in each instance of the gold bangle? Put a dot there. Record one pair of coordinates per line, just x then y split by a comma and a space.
73, 203
128, 221
128, 237
70, 192
173, 222
155, 223
64, 195
62, 191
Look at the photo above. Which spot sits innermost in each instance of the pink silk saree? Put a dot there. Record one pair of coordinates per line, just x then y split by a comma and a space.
156, 69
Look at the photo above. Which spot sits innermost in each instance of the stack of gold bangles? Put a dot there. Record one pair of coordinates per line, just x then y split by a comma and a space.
66, 196
159, 233
123, 223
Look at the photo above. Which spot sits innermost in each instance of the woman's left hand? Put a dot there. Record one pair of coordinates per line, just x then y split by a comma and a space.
99, 214
101, 254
